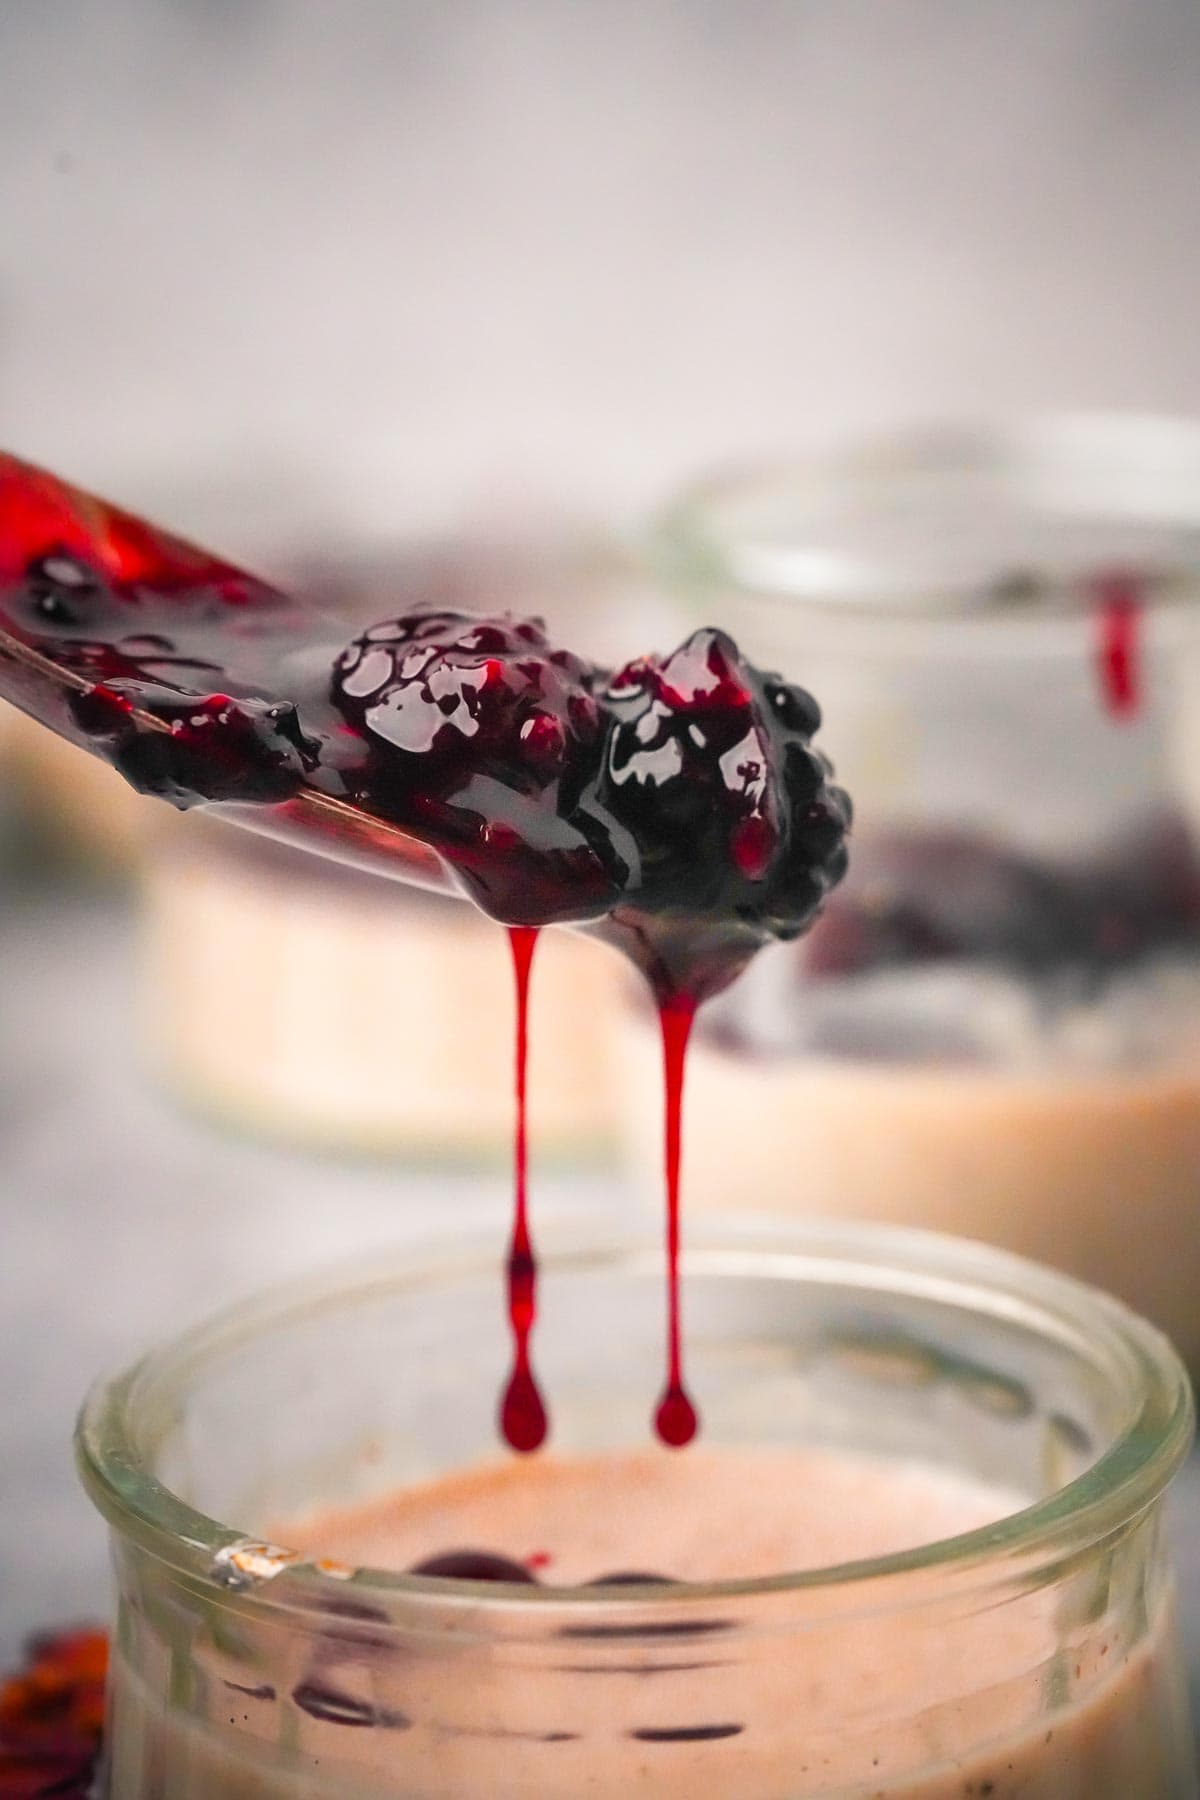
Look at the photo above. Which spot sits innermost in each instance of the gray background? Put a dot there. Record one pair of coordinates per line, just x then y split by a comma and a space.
423, 255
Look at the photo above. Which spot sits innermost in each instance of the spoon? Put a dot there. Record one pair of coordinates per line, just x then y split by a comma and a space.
165, 602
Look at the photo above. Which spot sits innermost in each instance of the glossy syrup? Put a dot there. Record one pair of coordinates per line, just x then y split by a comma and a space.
522, 1410
676, 1420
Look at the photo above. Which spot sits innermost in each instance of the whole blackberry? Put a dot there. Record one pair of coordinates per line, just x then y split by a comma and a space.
740, 832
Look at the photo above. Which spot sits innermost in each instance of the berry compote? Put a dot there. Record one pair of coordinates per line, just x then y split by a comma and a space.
676, 806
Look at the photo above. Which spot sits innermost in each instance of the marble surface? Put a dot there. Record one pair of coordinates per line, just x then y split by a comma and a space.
122, 1219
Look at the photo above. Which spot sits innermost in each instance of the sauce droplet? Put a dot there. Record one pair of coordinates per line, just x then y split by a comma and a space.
522, 1412
675, 1419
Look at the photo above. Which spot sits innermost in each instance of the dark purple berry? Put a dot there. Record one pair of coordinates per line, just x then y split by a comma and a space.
474, 1565
738, 829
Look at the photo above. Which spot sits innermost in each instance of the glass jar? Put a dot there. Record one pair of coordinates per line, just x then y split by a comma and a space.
995, 1029
1032, 1655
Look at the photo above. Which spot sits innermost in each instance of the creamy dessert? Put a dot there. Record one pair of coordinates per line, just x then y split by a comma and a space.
997, 1692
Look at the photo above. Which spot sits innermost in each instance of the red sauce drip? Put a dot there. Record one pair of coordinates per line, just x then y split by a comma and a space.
1118, 656
675, 1420
522, 1412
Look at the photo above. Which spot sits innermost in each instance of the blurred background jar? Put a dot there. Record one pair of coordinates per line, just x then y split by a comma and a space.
995, 1028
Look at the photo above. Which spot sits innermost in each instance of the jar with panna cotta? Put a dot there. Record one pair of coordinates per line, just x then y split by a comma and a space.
916, 1554
995, 1027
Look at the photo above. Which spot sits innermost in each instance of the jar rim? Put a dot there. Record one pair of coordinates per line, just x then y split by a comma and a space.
1017, 523
1128, 1477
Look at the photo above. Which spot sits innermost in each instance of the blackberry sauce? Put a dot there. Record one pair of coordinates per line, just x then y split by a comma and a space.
675, 1421
522, 1410
675, 807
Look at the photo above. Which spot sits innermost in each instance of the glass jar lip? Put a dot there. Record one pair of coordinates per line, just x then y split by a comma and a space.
1127, 1479
1020, 523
